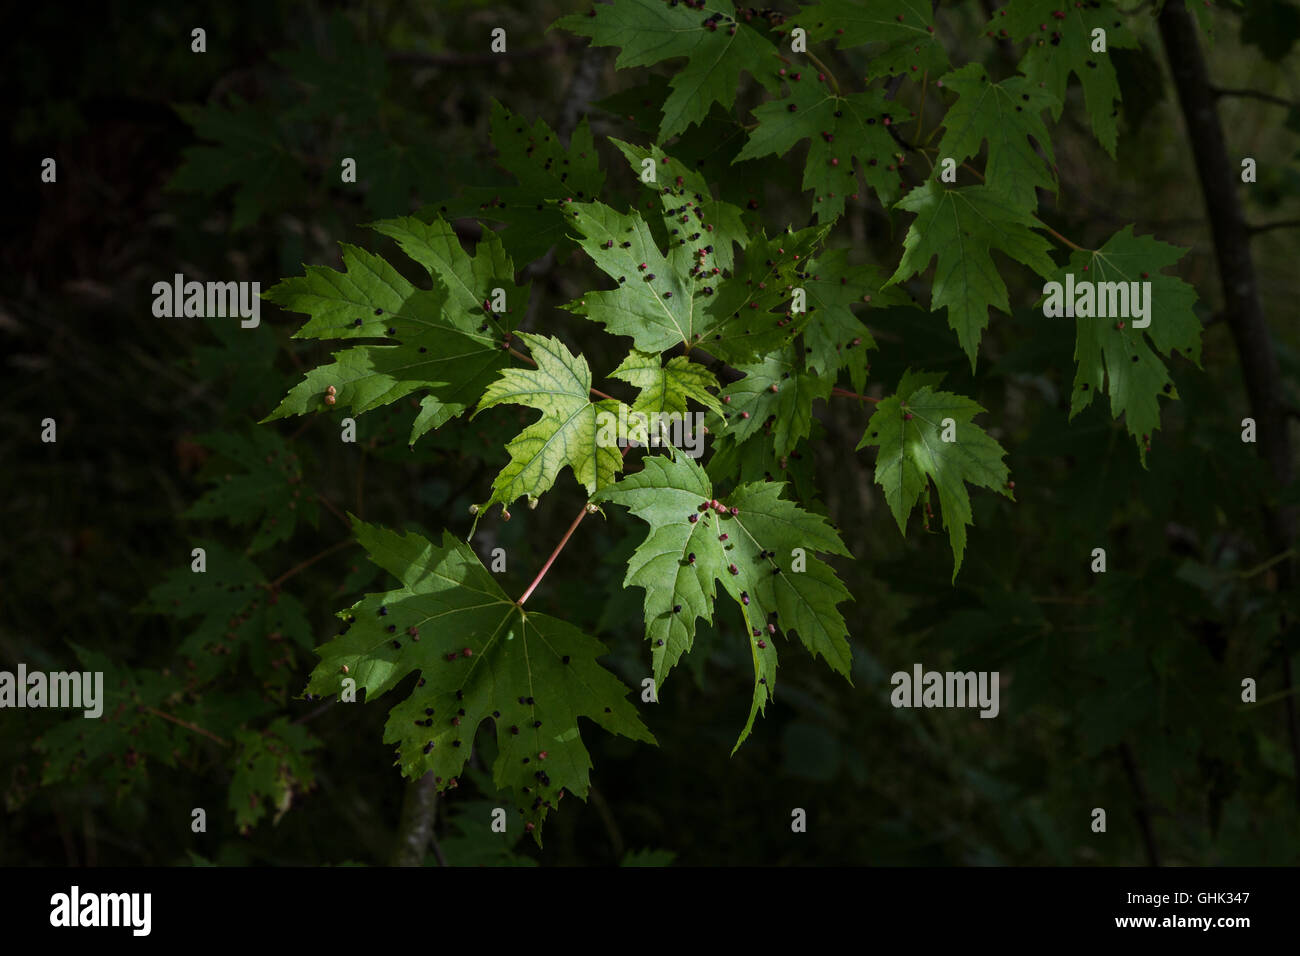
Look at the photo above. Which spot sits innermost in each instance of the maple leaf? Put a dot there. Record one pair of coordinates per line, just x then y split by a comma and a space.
1112, 354
650, 31
769, 542
573, 431
1008, 115
543, 169
909, 428
366, 289
738, 324
834, 336
962, 227
270, 765
449, 344
237, 616
480, 656
654, 303
900, 33
699, 229
262, 494
469, 280
665, 387
1062, 45
840, 129
775, 396
243, 150
124, 728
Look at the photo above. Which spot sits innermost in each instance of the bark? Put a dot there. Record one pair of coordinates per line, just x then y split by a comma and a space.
1220, 179
415, 829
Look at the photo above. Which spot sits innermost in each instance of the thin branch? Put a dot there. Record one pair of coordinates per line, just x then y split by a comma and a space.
1269, 226
334, 510
836, 390
415, 58
1254, 95
313, 714
302, 565
1142, 808
187, 725
607, 818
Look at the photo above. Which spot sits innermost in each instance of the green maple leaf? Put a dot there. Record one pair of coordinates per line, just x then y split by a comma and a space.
738, 323
769, 541
573, 431
789, 408
245, 153
262, 493
840, 129
694, 222
661, 306
1052, 63
962, 227
235, 615
469, 280
1126, 361
271, 765
532, 675
651, 31
449, 345
544, 170
665, 387
657, 312
1007, 115
366, 289
908, 428
834, 336
125, 726
900, 33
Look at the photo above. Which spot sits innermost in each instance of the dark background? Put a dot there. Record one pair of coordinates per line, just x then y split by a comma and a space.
1121, 690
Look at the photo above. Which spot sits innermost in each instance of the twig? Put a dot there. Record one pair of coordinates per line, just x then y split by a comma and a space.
836, 390
313, 714
415, 58
334, 510
1252, 94
187, 725
1268, 226
607, 818
1140, 793
338, 545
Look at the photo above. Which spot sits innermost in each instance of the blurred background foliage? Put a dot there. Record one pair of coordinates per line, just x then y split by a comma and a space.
1119, 691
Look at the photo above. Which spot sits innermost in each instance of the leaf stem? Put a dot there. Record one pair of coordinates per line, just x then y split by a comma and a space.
554, 554
520, 355
920, 112
1062, 239
835, 84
